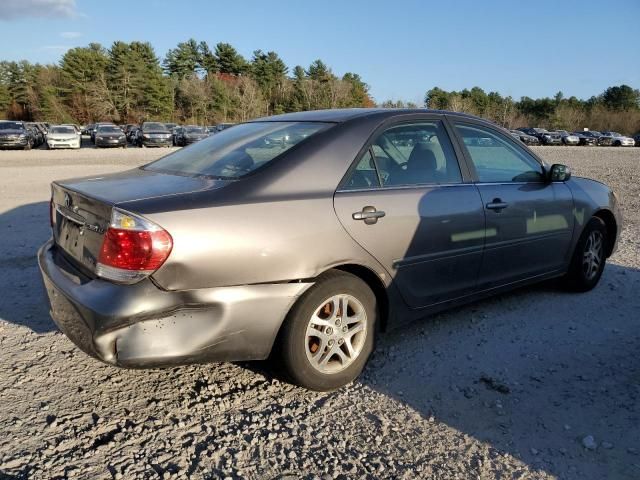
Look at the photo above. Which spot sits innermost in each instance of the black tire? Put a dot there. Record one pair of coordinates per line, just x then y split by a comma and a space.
577, 278
293, 341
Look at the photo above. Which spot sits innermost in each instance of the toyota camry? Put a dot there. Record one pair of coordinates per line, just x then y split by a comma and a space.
354, 222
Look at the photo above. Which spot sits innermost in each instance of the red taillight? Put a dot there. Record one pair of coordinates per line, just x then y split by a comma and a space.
135, 249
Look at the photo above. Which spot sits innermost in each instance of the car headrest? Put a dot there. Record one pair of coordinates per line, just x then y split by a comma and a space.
422, 158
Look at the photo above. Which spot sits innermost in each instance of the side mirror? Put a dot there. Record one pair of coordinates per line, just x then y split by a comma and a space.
559, 173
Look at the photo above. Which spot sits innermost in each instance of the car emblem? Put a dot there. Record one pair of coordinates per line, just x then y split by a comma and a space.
67, 200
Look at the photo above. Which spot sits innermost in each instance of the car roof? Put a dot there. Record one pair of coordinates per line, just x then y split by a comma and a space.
345, 114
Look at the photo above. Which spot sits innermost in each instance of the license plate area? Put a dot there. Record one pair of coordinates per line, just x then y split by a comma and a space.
71, 238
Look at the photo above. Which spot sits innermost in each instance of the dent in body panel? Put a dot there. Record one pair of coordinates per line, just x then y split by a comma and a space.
223, 324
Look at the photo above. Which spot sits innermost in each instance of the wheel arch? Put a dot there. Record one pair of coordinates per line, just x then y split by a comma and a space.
609, 220
377, 286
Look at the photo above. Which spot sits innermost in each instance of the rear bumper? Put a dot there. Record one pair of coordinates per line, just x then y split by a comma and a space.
142, 326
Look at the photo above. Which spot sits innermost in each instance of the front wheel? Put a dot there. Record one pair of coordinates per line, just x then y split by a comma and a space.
589, 257
329, 333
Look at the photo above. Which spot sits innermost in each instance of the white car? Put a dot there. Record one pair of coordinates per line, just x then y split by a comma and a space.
616, 139
63, 136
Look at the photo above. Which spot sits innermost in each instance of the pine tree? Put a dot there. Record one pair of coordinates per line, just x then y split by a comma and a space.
184, 60
229, 60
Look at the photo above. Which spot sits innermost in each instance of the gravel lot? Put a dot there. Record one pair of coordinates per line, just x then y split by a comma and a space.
533, 384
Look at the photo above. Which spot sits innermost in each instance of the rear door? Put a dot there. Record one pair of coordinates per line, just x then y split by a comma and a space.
529, 221
407, 202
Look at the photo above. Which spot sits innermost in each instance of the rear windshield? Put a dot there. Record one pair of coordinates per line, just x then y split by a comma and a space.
10, 126
237, 151
62, 130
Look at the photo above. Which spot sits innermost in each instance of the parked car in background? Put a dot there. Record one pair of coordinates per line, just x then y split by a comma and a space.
98, 125
110, 136
568, 138
174, 134
154, 134
190, 134
63, 136
87, 130
543, 135
524, 138
204, 255
170, 126
132, 134
15, 135
616, 139
586, 138
220, 127
128, 127
637, 139
37, 132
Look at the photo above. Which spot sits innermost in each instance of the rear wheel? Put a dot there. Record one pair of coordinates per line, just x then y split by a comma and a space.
589, 257
329, 333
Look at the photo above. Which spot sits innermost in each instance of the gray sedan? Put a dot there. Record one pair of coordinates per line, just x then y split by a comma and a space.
357, 221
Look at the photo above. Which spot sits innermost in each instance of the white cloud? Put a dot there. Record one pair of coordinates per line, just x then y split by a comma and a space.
16, 9
70, 34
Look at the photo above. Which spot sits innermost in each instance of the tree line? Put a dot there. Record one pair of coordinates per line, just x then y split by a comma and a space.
194, 83
617, 109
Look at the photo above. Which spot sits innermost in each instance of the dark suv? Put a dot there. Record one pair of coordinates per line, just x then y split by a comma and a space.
15, 135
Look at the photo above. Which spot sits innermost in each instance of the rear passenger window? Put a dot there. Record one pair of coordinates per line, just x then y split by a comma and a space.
408, 154
365, 174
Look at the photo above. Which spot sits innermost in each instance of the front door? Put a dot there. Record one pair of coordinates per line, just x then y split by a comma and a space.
406, 204
529, 221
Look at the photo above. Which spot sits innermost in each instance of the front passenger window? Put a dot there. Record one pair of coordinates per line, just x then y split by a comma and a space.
496, 159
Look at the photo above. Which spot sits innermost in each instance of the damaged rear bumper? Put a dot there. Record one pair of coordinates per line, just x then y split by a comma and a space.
141, 325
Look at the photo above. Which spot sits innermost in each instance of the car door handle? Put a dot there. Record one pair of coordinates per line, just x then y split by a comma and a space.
497, 205
369, 214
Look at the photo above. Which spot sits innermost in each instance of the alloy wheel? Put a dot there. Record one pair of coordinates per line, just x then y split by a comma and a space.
336, 333
592, 256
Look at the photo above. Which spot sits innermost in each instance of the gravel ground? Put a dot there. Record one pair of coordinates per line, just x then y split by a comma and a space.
533, 384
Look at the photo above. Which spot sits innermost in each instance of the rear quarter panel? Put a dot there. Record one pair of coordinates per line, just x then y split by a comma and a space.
266, 242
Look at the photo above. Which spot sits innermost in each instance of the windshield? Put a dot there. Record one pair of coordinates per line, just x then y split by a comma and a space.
159, 127
237, 151
62, 130
109, 130
10, 126
195, 130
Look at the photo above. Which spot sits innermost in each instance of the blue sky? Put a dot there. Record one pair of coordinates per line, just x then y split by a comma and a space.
401, 48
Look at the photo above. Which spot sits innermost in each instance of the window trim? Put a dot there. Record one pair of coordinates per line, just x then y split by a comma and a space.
507, 138
458, 155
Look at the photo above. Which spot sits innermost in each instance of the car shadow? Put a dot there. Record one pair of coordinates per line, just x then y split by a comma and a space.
532, 373
23, 300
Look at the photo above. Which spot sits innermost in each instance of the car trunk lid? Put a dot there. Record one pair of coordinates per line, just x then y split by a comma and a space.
81, 208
